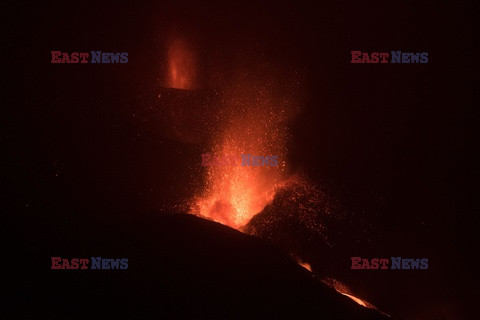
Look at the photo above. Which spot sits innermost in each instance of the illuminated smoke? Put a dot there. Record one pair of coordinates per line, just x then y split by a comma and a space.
182, 65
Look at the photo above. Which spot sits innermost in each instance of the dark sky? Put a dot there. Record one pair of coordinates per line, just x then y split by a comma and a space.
393, 143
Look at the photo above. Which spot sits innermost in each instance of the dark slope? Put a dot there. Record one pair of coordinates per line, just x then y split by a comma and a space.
180, 266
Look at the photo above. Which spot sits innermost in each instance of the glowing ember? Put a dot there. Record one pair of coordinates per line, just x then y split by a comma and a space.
181, 65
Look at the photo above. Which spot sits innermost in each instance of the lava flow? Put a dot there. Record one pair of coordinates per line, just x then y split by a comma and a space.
344, 290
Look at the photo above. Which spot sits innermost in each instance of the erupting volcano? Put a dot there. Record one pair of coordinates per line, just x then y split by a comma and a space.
248, 113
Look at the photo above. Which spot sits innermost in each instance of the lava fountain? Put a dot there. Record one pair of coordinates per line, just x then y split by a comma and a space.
254, 115
247, 112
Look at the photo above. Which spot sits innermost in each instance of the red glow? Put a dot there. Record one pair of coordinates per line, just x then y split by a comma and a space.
181, 65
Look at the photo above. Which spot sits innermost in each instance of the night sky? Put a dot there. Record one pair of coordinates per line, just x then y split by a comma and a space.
82, 144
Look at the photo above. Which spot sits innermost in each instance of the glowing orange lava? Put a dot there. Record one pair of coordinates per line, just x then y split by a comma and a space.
306, 266
235, 198
181, 65
234, 194
343, 289
357, 300
254, 122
